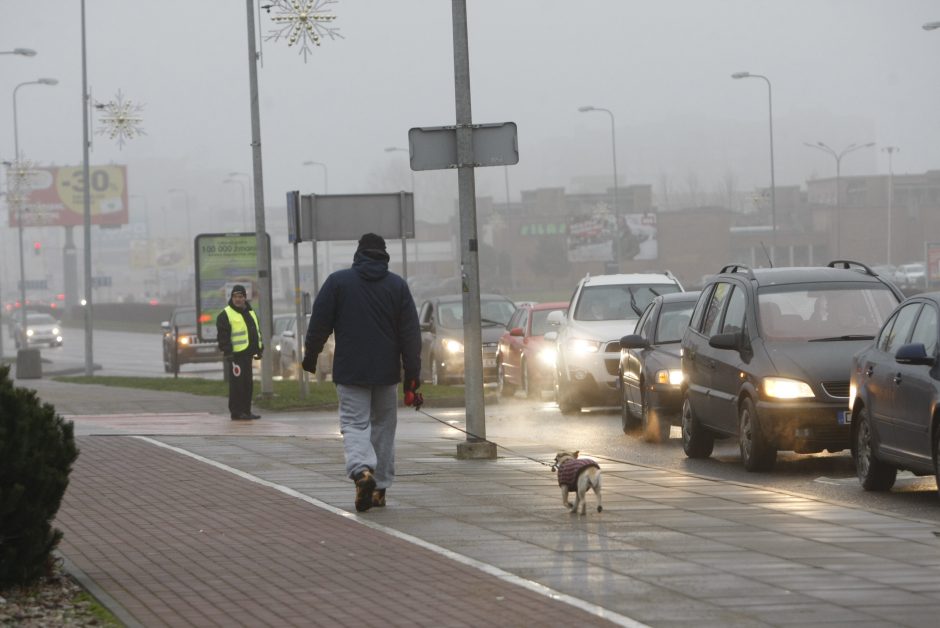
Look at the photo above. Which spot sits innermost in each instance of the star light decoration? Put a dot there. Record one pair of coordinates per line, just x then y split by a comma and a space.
120, 119
302, 20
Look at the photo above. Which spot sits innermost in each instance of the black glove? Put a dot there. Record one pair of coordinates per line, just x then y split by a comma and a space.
309, 363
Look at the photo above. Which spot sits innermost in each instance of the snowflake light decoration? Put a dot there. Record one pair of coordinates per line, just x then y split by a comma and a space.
304, 21
121, 119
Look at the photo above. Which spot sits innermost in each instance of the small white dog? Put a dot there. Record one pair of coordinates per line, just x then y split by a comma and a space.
577, 474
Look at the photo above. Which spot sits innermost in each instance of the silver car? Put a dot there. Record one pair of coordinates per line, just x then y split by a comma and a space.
41, 329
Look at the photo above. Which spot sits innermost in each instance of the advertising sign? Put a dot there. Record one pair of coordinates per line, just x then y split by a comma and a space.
591, 236
56, 197
222, 261
932, 250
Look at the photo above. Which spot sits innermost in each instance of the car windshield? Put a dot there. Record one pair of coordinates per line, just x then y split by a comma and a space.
185, 318
540, 323
824, 312
492, 312
40, 319
618, 302
673, 320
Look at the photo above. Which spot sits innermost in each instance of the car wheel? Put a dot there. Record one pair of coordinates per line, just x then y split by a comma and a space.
437, 372
697, 440
167, 367
504, 389
873, 474
936, 457
566, 404
655, 428
628, 421
757, 453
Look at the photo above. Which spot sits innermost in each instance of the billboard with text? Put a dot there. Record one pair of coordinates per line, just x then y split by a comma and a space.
55, 196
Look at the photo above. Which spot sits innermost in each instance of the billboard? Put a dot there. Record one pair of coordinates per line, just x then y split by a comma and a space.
55, 196
222, 261
591, 236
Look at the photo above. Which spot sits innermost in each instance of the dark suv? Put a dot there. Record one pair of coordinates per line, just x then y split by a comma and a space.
767, 356
181, 344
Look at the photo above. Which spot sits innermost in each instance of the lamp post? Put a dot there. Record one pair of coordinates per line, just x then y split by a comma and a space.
244, 201
250, 192
890, 150
851, 148
613, 146
21, 175
326, 179
773, 186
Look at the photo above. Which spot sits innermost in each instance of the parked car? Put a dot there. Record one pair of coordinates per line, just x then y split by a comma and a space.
894, 394
767, 353
40, 329
441, 320
524, 359
602, 310
290, 359
181, 344
911, 275
651, 366
278, 325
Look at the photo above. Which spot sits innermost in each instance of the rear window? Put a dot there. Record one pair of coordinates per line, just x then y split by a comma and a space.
185, 318
618, 302
823, 311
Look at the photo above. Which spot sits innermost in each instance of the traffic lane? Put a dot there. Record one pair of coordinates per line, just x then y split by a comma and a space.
825, 476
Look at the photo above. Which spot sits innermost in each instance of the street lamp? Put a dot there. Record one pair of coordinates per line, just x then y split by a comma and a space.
248, 177
326, 180
24, 52
931, 26
773, 186
851, 148
21, 174
244, 200
613, 146
890, 150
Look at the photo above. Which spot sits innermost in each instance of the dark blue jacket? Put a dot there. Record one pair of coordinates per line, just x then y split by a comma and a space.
373, 318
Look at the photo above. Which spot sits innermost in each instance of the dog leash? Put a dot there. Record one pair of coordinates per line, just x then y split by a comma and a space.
484, 440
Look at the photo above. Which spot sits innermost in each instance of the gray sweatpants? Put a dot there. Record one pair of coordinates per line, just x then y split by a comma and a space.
368, 416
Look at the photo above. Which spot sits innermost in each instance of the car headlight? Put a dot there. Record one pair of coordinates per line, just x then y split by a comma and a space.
29, 332
579, 345
55, 331
672, 377
783, 388
184, 340
453, 346
547, 356
277, 347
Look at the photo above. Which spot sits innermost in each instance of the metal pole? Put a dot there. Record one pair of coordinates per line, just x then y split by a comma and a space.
20, 176
263, 257
773, 186
86, 199
838, 207
617, 217
298, 325
890, 150
470, 280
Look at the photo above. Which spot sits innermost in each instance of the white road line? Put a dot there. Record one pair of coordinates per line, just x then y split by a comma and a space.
593, 609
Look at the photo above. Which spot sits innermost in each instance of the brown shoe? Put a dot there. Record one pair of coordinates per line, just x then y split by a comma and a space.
365, 485
378, 497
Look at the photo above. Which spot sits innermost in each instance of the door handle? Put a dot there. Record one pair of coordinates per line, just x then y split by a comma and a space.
897, 378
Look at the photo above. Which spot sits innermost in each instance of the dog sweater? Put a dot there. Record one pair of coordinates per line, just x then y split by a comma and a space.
570, 469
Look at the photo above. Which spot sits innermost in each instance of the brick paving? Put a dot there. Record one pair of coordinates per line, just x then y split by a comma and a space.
176, 542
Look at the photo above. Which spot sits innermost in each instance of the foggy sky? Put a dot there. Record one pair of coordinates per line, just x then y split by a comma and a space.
843, 71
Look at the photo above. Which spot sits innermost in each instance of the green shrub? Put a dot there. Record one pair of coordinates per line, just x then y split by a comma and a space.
37, 449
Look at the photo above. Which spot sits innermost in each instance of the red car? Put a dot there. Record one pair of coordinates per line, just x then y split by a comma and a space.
526, 361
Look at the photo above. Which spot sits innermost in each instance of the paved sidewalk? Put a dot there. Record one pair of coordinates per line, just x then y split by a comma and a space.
203, 521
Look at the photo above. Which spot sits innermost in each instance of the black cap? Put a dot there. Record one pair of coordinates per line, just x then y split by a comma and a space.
372, 241
239, 289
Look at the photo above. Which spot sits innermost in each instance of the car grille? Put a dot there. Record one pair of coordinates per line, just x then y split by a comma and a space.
837, 389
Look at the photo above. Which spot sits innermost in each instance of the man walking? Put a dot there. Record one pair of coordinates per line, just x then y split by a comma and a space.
239, 336
372, 315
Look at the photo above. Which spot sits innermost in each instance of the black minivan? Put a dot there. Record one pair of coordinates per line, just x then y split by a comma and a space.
767, 356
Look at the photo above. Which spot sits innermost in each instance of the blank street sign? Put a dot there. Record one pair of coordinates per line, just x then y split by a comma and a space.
435, 147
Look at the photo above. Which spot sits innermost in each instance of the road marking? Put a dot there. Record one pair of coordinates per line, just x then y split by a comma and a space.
594, 609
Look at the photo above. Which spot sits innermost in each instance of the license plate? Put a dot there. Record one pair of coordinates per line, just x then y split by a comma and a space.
845, 417
205, 349
489, 363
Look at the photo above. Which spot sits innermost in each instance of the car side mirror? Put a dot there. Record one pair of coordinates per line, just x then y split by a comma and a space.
633, 341
165, 325
287, 333
550, 336
730, 341
914, 353
516, 331
556, 317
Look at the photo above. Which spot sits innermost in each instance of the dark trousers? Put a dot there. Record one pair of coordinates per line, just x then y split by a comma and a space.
240, 383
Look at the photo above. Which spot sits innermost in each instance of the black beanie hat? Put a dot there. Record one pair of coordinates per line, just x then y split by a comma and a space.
373, 247
238, 289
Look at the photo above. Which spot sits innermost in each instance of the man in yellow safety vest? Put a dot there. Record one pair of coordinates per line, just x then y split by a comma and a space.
239, 336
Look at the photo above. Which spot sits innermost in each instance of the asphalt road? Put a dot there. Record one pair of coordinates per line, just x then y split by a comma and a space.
829, 477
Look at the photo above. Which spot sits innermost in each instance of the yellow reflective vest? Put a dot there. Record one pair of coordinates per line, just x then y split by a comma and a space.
240, 329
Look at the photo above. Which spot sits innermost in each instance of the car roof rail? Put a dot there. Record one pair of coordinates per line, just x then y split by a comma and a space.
852, 265
738, 268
